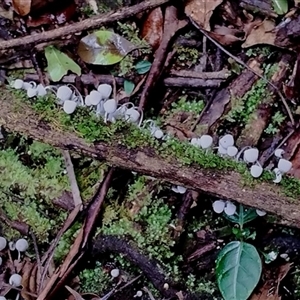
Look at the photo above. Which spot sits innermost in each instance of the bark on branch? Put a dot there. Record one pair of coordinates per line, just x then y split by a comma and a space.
222, 184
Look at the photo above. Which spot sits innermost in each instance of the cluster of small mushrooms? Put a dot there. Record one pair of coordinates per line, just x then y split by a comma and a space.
104, 106
21, 245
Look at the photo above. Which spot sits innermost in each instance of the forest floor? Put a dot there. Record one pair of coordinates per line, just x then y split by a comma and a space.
149, 149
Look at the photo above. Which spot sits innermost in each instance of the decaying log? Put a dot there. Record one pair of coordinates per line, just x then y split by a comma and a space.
222, 184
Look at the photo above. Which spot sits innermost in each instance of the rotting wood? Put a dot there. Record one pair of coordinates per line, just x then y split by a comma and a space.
90, 23
222, 184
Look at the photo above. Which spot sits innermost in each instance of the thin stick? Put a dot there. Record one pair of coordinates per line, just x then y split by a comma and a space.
90, 23
250, 69
72, 178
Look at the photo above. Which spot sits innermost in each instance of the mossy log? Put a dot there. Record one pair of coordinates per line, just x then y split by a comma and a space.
223, 184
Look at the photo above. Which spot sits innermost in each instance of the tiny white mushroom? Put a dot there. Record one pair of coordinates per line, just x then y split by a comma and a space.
12, 246
226, 141
87, 100
27, 85
132, 115
110, 106
158, 134
256, 171
22, 245
95, 97
115, 273
105, 90
284, 165
222, 150
69, 106
232, 151
18, 84
230, 208
3, 243
279, 152
15, 280
196, 142
2, 298
278, 175
179, 189
206, 141
138, 294
251, 155
285, 256
41, 91
64, 93
32, 92
218, 206
260, 213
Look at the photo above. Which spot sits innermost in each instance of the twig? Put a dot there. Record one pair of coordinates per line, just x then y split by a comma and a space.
149, 293
90, 23
247, 67
72, 178
38, 258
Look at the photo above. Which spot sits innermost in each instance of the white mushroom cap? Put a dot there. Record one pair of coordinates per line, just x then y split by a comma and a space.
222, 150
2, 298
218, 206
110, 106
278, 175
41, 91
69, 106
22, 245
256, 171
179, 189
3, 243
87, 100
158, 134
251, 155
279, 152
230, 208
196, 142
15, 280
260, 213
206, 141
232, 151
12, 246
284, 165
115, 273
132, 115
18, 84
64, 93
27, 85
95, 97
32, 92
226, 141
138, 294
105, 90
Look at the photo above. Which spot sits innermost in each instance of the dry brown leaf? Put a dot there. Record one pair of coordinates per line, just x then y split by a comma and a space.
152, 30
261, 34
201, 11
22, 7
76, 295
269, 291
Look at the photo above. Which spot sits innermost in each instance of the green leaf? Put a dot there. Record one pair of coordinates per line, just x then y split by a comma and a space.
59, 63
143, 66
104, 48
243, 216
280, 6
238, 270
128, 87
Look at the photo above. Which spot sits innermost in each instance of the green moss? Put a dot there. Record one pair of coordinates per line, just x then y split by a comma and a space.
87, 125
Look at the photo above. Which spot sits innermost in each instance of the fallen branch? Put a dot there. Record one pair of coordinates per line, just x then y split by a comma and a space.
151, 269
220, 183
90, 23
